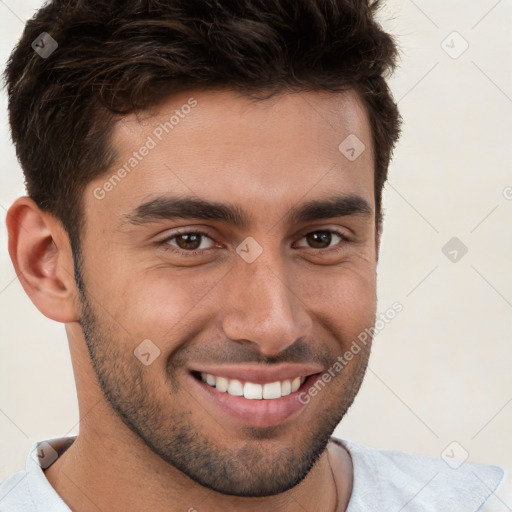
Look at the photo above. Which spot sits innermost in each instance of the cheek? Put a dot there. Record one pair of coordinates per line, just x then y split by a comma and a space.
342, 299
160, 303
143, 300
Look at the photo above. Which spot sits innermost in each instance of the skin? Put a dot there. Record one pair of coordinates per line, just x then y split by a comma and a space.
146, 442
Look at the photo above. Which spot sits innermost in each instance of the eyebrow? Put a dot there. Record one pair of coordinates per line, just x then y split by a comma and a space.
169, 207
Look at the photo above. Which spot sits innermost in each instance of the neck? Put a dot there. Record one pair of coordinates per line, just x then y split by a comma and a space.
117, 472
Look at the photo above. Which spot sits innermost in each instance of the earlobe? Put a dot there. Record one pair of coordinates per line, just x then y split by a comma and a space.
41, 255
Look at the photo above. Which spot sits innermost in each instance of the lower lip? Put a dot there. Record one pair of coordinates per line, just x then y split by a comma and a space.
258, 413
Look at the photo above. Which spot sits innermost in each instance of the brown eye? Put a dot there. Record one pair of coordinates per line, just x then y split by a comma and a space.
318, 239
186, 242
322, 239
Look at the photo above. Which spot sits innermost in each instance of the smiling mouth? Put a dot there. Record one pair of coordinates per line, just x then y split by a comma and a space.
252, 390
268, 402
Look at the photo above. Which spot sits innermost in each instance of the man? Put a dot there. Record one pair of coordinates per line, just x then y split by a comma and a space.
204, 215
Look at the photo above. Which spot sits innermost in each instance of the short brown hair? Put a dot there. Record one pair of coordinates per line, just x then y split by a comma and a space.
116, 57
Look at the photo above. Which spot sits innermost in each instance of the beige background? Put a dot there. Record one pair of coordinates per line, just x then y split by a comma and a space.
440, 371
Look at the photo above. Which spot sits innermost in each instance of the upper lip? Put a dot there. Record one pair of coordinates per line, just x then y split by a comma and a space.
258, 374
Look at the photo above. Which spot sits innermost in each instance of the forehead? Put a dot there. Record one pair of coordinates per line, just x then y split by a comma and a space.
219, 145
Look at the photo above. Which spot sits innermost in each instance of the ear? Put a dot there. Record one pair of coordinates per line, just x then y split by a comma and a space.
41, 254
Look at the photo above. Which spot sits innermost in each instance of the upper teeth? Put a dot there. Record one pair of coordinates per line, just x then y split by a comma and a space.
251, 390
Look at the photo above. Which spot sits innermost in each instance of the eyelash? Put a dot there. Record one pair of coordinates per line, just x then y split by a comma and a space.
164, 244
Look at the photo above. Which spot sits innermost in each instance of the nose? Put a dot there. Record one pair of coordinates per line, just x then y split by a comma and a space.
263, 309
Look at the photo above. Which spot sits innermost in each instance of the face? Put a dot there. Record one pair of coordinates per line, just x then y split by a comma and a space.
271, 284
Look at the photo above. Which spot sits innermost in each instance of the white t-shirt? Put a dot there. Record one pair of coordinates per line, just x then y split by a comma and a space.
383, 481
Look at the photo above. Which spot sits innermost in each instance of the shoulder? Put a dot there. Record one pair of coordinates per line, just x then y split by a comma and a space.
28, 490
385, 480
14, 493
